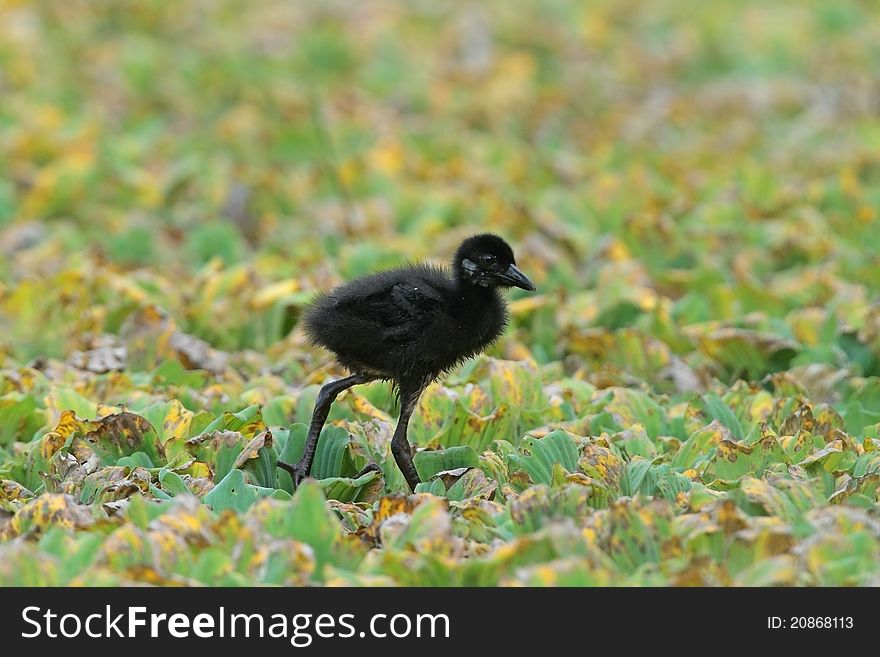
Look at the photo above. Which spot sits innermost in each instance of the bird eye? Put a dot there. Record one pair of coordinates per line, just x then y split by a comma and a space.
487, 259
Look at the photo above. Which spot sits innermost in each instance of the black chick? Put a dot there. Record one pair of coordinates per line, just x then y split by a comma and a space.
407, 326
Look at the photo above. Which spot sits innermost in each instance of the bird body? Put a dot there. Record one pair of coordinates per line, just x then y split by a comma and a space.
407, 326
411, 321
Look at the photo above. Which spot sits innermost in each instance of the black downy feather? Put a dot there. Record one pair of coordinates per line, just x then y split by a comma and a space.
410, 324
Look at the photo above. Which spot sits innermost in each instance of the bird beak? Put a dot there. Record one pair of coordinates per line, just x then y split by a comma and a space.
516, 278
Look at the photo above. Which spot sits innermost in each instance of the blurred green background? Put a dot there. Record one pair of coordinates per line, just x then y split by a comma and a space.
714, 160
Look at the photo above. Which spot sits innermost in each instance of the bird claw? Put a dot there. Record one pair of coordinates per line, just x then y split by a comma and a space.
297, 472
370, 467
298, 476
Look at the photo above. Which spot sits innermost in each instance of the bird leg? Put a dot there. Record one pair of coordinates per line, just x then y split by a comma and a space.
326, 396
400, 446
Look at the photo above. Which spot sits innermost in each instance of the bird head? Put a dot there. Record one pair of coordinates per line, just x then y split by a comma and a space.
487, 260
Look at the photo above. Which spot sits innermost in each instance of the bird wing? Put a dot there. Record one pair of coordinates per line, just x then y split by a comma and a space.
415, 300
400, 309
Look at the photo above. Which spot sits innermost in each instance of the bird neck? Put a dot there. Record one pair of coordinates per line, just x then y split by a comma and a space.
480, 312
473, 295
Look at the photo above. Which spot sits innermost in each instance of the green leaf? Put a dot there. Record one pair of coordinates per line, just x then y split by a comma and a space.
718, 410
330, 454
258, 460
430, 462
312, 523
432, 487
248, 422
136, 460
220, 449
124, 434
733, 460
233, 493
172, 483
555, 447
472, 483
17, 421
346, 489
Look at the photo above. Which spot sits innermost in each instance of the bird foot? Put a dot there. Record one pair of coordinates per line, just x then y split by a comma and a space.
297, 472
370, 467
